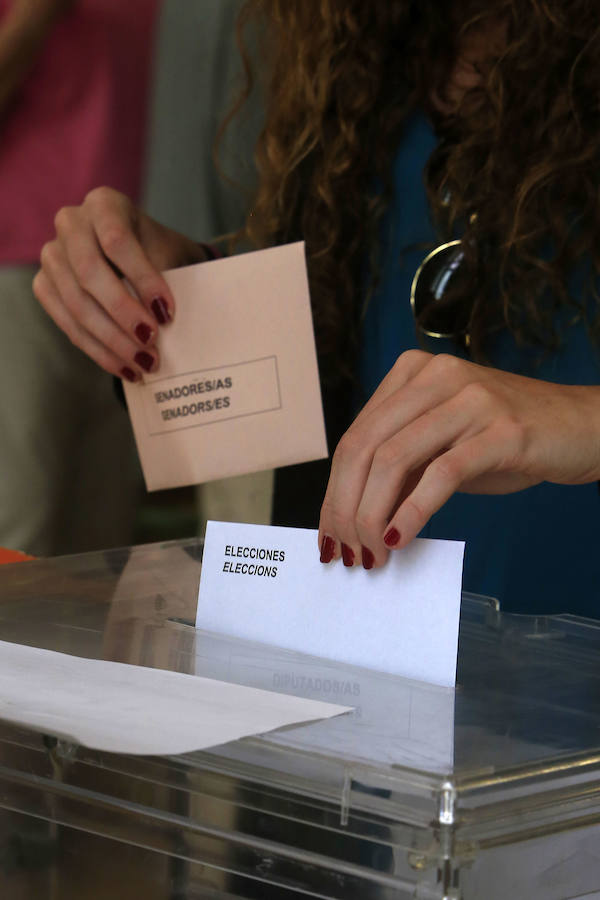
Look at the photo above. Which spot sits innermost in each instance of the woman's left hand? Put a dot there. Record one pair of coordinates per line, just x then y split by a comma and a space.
440, 424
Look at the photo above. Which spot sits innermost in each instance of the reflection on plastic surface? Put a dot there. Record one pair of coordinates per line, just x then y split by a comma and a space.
310, 810
123, 708
395, 721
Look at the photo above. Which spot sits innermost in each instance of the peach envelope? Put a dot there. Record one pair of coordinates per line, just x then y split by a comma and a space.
238, 389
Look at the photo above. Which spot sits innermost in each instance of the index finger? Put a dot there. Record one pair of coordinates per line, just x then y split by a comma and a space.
406, 367
114, 225
339, 516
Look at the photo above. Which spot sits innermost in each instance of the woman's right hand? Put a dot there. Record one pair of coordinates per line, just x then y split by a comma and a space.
80, 283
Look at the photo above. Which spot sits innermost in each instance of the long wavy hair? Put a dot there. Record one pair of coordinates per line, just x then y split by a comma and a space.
522, 151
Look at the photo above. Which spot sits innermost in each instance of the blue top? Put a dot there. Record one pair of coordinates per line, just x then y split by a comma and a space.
535, 550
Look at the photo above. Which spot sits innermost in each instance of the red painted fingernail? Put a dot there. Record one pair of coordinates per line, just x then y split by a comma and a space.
347, 555
392, 537
143, 332
144, 360
129, 374
368, 560
161, 310
327, 549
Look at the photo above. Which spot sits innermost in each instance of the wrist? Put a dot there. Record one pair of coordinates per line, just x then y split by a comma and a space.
580, 424
591, 419
210, 251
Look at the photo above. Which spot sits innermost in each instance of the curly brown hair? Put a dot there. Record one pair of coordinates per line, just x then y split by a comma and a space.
521, 150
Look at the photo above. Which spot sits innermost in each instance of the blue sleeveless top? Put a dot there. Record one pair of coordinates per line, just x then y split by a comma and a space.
535, 550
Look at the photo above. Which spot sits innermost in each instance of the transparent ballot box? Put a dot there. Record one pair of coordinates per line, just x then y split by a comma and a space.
489, 792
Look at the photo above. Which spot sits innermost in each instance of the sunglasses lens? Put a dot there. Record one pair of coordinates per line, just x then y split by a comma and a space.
441, 303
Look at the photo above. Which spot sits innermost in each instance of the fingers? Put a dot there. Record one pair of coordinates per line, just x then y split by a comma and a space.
407, 366
131, 349
82, 287
417, 383
337, 518
408, 451
338, 534
399, 466
93, 264
441, 479
115, 219
49, 298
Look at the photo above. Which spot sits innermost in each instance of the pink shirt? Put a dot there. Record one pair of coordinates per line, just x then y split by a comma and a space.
78, 121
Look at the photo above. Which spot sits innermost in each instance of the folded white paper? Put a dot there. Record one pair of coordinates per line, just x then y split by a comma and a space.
265, 583
238, 389
134, 709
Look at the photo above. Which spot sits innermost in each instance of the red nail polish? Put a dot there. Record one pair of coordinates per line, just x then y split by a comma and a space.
327, 549
129, 374
144, 360
368, 560
143, 332
392, 537
347, 555
161, 310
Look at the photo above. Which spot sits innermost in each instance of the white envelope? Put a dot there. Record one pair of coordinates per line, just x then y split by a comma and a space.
266, 583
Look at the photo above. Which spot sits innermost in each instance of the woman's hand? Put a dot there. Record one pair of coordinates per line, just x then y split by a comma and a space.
437, 425
80, 284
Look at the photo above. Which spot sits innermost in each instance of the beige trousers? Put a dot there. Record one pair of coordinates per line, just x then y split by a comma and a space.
69, 477
246, 498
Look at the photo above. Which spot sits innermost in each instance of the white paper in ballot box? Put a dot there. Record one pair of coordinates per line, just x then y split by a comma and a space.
266, 584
